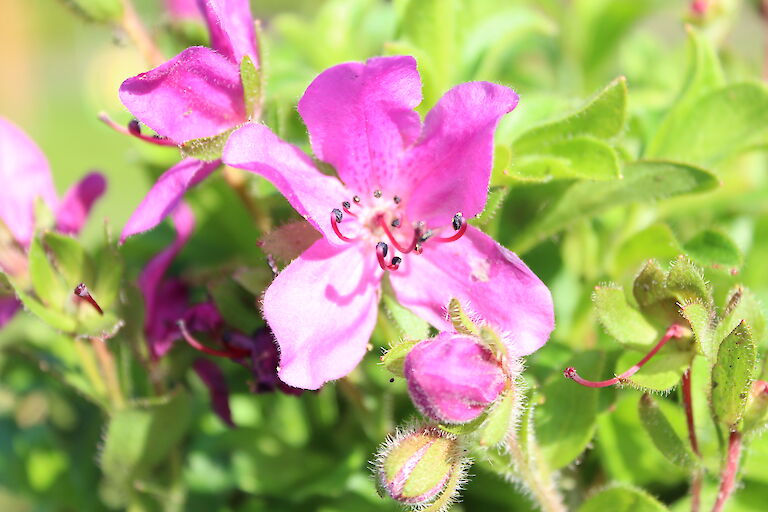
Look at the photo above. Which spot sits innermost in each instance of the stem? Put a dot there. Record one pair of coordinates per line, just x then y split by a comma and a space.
674, 331
133, 27
728, 476
237, 182
88, 364
543, 491
697, 474
108, 371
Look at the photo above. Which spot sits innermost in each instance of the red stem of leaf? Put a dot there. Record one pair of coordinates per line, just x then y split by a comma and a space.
728, 477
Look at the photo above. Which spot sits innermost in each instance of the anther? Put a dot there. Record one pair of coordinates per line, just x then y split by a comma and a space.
459, 224
356, 199
346, 204
396, 223
396, 261
405, 250
397, 199
383, 248
135, 131
134, 127
458, 220
337, 215
82, 292
426, 236
377, 193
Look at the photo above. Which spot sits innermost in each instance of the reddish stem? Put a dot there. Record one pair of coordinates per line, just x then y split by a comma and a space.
152, 139
697, 474
728, 476
232, 353
405, 250
459, 233
674, 331
335, 226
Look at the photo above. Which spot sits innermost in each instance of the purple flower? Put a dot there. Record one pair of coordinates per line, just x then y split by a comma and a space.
27, 177
453, 378
400, 206
196, 94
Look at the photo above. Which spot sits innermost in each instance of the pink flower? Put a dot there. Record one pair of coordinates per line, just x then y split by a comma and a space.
196, 94
26, 176
453, 378
400, 207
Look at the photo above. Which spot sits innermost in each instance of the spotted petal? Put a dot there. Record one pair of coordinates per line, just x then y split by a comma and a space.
487, 278
322, 310
360, 117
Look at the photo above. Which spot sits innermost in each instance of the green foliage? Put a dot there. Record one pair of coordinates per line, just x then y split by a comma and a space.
714, 248
621, 321
100, 11
663, 435
622, 498
394, 358
732, 376
251, 79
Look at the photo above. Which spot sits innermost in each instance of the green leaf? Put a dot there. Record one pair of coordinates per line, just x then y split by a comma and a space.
718, 125
109, 274
661, 373
602, 118
579, 157
565, 422
394, 359
500, 419
207, 149
100, 11
460, 320
643, 181
237, 307
496, 196
655, 241
714, 248
648, 287
662, 434
702, 320
621, 321
732, 376
69, 258
250, 77
46, 282
686, 282
52, 317
410, 326
622, 498
742, 305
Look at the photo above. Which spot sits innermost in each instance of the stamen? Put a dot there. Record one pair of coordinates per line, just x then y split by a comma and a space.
377, 193
381, 252
82, 292
356, 199
336, 217
346, 205
232, 353
396, 261
396, 223
674, 331
134, 127
459, 223
134, 132
384, 248
426, 236
404, 250
397, 199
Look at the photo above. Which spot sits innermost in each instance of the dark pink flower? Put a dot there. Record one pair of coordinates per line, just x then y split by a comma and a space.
26, 176
196, 94
453, 378
401, 204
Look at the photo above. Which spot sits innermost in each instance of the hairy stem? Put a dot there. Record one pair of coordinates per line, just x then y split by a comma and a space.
697, 474
108, 372
728, 476
134, 28
543, 489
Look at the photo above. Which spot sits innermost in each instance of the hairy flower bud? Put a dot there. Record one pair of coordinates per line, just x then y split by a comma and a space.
453, 378
421, 467
756, 410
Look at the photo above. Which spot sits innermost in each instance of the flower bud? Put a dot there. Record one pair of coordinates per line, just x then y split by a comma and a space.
421, 467
453, 378
756, 411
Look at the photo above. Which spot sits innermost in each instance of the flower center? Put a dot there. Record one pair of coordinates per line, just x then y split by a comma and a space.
382, 223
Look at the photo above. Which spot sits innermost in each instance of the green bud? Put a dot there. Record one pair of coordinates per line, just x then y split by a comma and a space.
421, 467
756, 410
100, 11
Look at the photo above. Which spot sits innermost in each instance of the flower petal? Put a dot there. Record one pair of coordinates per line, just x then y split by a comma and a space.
214, 379
166, 194
76, 205
360, 117
322, 310
165, 302
451, 165
314, 195
8, 308
484, 276
26, 176
232, 28
196, 94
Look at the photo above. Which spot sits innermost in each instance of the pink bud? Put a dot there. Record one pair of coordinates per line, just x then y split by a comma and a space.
699, 7
453, 378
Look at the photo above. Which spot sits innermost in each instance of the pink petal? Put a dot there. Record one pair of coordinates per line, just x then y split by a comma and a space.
453, 378
166, 194
450, 167
196, 94
8, 308
213, 378
487, 278
322, 310
314, 195
360, 117
183, 10
231, 26
25, 176
165, 303
76, 205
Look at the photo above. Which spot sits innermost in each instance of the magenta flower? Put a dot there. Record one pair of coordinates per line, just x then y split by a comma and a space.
401, 206
196, 94
27, 177
453, 378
